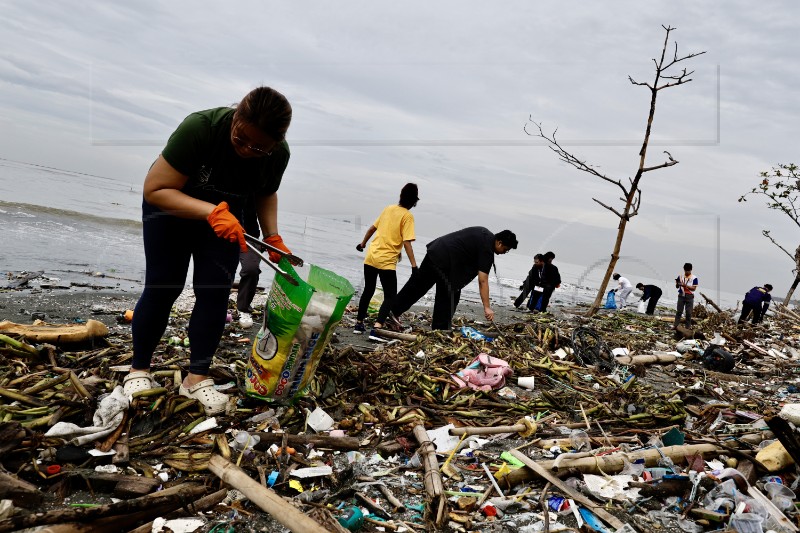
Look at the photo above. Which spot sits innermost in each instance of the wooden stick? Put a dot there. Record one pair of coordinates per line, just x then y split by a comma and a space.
22, 493
319, 441
613, 462
79, 386
267, 500
604, 515
125, 507
372, 506
395, 335
486, 430
108, 443
203, 504
397, 504
433, 479
646, 359
22, 398
776, 513
46, 384
710, 301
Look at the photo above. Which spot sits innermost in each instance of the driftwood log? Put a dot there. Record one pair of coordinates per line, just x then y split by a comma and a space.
433, 479
611, 463
318, 441
19, 491
568, 491
267, 500
137, 510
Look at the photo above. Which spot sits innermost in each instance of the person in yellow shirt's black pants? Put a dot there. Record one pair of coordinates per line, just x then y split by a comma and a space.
395, 231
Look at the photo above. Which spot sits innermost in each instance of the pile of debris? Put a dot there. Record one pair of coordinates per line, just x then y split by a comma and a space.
611, 423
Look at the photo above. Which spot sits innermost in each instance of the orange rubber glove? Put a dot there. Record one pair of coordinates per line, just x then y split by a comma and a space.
226, 225
277, 242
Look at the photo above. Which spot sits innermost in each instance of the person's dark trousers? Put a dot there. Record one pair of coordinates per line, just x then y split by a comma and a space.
546, 294
685, 302
447, 297
248, 280
169, 243
652, 302
535, 301
389, 284
746, 310
526, 290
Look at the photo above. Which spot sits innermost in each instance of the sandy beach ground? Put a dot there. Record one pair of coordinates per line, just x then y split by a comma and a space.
77, 304
64, 306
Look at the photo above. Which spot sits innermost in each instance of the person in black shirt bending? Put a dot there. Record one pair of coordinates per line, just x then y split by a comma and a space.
452, 261
651, 294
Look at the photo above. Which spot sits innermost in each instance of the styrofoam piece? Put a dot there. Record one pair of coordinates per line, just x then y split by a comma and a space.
312, 471
205, 425
319, 420
791, 412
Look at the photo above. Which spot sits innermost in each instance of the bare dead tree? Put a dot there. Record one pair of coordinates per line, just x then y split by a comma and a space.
631, 194
781, 187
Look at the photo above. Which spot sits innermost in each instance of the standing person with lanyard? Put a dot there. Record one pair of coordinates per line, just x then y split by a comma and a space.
551, 280
686, 285
532, 285
395, 229
194, 200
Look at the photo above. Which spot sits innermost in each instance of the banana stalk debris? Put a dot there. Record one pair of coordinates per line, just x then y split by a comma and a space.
409, 449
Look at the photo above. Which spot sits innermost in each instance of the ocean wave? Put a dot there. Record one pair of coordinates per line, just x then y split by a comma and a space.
16, 209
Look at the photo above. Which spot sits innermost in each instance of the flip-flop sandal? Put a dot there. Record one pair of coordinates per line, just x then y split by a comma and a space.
138, 381
212, 400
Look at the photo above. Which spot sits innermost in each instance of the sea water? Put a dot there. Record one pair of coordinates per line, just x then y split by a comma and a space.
87, 229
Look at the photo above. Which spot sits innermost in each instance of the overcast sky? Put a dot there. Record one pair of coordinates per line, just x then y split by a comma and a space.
438, 93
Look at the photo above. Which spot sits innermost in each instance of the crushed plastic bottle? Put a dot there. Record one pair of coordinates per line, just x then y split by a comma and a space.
243, 441
580, 440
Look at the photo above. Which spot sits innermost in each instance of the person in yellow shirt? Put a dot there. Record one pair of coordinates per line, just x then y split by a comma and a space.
395, 230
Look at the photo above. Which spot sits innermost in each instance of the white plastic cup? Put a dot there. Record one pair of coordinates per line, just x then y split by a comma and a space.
747, 523
526, 382
781, 495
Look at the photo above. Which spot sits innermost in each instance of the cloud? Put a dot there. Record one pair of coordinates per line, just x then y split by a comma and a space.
436, 93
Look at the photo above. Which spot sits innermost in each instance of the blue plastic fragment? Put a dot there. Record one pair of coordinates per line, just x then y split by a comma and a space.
273, 477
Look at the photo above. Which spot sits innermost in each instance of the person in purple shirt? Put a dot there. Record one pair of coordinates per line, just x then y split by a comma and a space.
756, 301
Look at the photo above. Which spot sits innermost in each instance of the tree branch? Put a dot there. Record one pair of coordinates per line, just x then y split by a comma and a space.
669, 163
568, 158
620, 215
644, 83
766, 234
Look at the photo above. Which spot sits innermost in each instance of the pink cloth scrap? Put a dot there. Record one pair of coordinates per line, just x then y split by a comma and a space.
484, 373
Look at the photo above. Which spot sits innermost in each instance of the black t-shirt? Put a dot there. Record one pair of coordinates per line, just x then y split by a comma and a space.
550, 276
201, 149
464, 253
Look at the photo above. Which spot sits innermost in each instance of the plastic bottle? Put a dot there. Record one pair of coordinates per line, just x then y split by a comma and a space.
580, 440
243, 441
352, 518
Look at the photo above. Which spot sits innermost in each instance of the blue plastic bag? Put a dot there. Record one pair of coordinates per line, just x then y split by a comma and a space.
472, 333
611, 301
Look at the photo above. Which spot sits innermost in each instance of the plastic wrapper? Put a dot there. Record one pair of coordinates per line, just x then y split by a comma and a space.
298, 323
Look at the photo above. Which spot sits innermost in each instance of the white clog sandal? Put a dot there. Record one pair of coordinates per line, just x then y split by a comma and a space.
138, 381
212, 400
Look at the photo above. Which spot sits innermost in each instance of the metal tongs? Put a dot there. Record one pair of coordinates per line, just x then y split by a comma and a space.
254, 243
